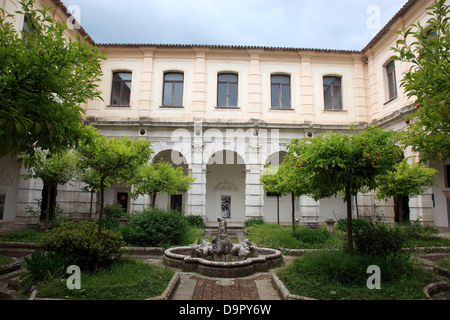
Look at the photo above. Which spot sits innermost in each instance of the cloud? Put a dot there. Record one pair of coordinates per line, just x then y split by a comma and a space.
333, 24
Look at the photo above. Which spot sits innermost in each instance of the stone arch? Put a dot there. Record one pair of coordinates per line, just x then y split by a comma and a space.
225, 186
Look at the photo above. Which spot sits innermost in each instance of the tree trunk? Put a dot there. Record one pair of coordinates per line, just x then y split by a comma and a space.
293, 212
100, 215
90, 207
47, 209
153, 199
278, 209
348, 199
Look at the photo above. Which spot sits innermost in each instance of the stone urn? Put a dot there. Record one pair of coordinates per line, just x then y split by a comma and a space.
330, 225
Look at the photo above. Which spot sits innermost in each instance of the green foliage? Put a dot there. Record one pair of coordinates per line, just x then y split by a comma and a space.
78, 241
312, 236
357, 224
338, 161
56, 168
378, 239
161, 177
338, 267
26, 235
416, 230
42, 266
44, 77
195, 221
126, 279
405, 179
254, 222
281, 236
112, 213
155, 228
427, 81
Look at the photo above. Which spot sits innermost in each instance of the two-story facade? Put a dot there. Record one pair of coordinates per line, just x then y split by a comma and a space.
224, 112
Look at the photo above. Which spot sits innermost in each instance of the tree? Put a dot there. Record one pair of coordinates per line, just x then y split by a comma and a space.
44, 77
405, 180
161, 177
339, 163
112, 159
288, 178
52, 169
92, 180
428, 82
273, 182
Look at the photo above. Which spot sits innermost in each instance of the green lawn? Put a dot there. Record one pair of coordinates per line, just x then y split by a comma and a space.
128, 279
310, 280
4, 260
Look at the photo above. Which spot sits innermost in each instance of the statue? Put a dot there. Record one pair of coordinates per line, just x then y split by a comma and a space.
221, 246
221, 243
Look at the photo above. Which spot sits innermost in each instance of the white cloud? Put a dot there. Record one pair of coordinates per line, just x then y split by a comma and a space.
333, 24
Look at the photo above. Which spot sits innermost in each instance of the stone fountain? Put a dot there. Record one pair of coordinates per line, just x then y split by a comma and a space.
221, 258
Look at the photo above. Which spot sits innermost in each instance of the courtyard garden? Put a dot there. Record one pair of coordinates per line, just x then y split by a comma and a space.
325, 273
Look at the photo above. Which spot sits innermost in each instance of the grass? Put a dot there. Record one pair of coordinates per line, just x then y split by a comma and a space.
32, 236
4, 260
276, 236
127, 279
317, 277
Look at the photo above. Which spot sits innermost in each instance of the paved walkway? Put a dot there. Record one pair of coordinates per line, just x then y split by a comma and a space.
193, 286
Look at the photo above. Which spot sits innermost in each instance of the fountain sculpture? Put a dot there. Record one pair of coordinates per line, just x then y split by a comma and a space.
222, 258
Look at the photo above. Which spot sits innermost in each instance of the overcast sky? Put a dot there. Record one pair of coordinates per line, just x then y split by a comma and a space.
328, 24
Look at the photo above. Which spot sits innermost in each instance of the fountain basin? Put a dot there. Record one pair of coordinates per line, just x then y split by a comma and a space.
262, 260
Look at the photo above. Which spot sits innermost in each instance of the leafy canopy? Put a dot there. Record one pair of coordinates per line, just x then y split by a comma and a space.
427, 81
337, 161
44, 77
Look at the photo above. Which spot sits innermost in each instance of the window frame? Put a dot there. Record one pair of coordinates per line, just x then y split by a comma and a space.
332, 95
391, 75
227, 97
280, 86
173, 83
122, 82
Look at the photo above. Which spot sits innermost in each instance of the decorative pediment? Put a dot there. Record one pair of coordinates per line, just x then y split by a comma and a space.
226, 185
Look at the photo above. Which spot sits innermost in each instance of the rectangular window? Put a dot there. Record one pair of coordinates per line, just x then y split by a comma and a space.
332, 93
281, 91
2, 204
173, 89
392, 85
122, 199
121, 89
176, 202
227, 90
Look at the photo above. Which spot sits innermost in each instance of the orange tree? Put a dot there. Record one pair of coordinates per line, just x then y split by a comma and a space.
339, 163
288, 178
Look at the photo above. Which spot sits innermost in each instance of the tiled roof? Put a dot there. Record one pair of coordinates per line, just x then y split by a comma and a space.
383, 31
138, 45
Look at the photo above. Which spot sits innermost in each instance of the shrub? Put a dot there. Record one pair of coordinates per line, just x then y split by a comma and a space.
111, 215
416, 230
312, 236
195, 221
78, 242
378, 239
254, 221
155, 227
339, 267
42, 266
356, 224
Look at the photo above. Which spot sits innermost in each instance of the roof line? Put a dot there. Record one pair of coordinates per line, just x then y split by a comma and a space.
137, 45
406, 7
386, 28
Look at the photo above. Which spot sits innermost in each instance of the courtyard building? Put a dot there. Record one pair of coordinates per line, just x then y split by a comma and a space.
224, 112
